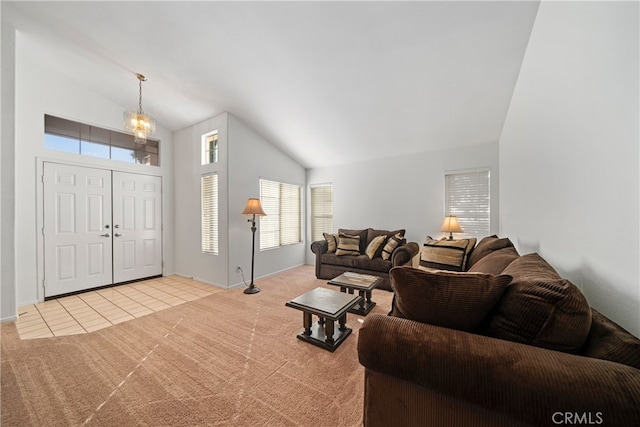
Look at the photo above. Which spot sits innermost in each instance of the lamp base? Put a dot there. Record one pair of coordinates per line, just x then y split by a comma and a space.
252, 289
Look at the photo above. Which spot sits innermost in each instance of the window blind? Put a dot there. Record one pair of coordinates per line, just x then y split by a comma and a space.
321, 211
209, 188
467, 197
283, 223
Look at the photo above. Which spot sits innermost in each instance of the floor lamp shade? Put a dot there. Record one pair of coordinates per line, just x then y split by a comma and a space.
253, 208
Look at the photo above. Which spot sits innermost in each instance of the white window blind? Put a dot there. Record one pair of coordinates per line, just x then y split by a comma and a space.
283, 223
321, 211
209, 187
467, 197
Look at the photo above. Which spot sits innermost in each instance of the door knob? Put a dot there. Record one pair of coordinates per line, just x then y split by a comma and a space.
106, 235
118, 234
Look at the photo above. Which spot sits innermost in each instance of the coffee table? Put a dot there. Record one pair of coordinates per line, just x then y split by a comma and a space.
329, 306
363, 283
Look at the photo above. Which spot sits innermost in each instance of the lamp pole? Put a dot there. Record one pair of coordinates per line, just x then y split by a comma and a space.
252, 289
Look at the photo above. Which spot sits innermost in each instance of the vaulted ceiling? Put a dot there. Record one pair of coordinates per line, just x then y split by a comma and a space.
327, 82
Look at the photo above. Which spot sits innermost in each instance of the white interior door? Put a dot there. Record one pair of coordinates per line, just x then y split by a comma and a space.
137, 226
77, 234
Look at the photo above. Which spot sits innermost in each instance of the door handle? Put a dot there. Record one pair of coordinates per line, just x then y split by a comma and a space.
106, 235
118, 234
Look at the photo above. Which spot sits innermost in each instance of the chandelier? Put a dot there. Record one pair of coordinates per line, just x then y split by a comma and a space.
139, 123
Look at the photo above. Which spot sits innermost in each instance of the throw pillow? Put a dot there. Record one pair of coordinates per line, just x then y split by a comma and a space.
443, 298
331, 242
392, 244
446, 254
376, 243
486, 246
496, 261
348, 245
541, 309
361, 233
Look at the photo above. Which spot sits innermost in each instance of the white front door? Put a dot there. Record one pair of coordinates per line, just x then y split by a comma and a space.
100, 227
77, 233
137, 226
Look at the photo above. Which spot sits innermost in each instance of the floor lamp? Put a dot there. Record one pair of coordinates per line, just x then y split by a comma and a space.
253, 208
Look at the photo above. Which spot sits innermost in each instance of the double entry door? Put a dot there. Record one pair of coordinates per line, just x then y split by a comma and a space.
100, 227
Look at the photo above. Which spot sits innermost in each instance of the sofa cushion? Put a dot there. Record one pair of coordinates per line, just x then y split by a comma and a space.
495, 262
363, 262
332, 242
391, 245
343, 261
539, 308
348, 245
486, 246
374, 248
446, 254
443, 298
363, 236
609, 341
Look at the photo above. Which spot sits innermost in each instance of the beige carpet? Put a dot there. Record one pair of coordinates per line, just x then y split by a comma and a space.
228, 359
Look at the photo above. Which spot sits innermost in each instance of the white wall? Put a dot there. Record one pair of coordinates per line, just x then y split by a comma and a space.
569, 152
7, 180
190, 261
40, 91
251, 157
244, 158
401, 192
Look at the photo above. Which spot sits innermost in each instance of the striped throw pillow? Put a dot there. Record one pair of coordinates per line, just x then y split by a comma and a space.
374, 245
348, 245
446, 254
391, 245
331, 242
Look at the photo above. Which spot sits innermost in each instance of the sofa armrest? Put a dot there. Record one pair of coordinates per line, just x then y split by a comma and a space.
319, 247
529, 384
404, 254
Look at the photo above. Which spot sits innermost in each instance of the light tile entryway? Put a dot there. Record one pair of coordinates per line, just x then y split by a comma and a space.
90, 311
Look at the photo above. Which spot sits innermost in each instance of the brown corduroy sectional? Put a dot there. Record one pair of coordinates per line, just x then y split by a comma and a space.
507, 343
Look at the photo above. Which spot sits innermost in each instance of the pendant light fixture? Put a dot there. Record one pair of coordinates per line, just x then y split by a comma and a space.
139, 123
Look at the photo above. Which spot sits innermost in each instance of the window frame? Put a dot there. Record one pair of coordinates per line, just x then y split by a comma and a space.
274, 232
206, 149
210, 218
321, 210
474, 213
84, 139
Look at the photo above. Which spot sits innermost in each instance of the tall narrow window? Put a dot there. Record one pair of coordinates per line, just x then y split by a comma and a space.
283, 223
321, 210
467, 197
210, 148
209, 188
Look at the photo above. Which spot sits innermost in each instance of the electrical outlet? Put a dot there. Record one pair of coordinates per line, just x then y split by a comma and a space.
238, 269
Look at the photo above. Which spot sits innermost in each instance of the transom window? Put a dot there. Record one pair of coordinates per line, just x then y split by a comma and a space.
87, 140
210, 148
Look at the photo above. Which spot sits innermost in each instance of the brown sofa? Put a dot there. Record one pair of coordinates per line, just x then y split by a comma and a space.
331, 265
527, 352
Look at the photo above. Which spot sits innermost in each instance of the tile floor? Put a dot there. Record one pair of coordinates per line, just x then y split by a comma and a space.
90, 311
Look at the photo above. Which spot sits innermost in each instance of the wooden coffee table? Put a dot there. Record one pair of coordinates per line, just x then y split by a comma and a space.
329, 306
363, 283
